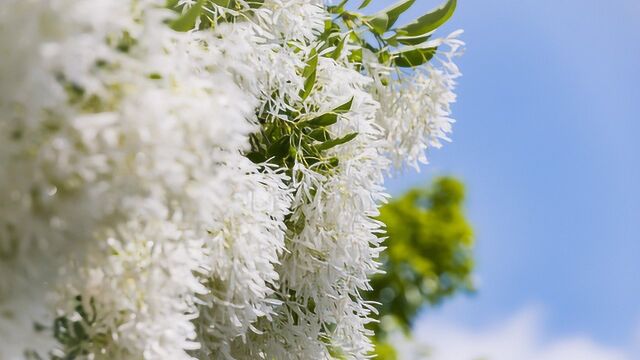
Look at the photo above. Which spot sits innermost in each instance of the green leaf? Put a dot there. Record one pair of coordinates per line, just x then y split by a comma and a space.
384, 57
413, 40
126, 42
337, 9
333, 162
430, 21
231, 4
356, 56
256, 4
330, 29
322, 120
329, 118
187, 21
60, 325
413, 56
338, 51
256, 157
333, 143
171, 4
309, 73
320, 134
312, 63
391, 40
79, 332
397, 39
394, 11
346, 107
280, 148
364, 4
379, 23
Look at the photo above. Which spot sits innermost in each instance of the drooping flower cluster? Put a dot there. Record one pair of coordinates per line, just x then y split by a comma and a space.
415, 112
174, 194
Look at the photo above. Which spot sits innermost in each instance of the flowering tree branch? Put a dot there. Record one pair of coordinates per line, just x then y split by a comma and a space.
199, 179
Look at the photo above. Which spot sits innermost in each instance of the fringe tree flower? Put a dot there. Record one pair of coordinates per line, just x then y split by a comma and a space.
197, 179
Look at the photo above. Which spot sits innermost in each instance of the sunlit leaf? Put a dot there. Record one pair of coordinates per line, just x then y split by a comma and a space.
430, 21
320, 134
187, 21
394, 11
346, 107
329, 118
309, 74
339, 47
379, 23
364, 4
412, 40
322, 120
337, 9
356, 56
333, 143
413, 56
171, 4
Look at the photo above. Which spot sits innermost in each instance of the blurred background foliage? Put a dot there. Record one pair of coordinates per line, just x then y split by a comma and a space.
428, 258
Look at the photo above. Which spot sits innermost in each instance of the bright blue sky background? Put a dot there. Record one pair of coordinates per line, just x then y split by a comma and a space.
547, 143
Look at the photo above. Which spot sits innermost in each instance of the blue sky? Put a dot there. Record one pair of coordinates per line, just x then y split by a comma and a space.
546, 141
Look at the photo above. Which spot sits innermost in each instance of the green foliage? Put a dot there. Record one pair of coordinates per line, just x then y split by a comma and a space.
188, 19
403, 46
364, 4
304, 139
428, 258
429, 21
309, 74
73, 332
394, 11
413, 56
204, 14
385, 350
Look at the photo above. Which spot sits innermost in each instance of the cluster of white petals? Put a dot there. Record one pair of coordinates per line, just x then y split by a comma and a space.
132, 225
415, 111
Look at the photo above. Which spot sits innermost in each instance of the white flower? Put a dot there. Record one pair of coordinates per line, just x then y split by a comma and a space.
415, 111
127, 207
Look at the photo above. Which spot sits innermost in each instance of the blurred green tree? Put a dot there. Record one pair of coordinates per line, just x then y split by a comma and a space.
428, 257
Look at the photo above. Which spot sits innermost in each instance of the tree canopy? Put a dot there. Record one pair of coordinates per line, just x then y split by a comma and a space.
428, 257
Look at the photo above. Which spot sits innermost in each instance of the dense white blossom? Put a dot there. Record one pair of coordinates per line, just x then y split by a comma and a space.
127, 204
415, 111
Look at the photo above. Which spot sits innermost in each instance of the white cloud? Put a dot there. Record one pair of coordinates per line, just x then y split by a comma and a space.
518, 338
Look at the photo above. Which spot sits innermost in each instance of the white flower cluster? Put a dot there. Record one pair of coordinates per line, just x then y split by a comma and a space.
415, 110
132, 226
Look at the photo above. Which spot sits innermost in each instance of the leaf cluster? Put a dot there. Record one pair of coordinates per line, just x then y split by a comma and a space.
72, 332
403, 46
206, 13
294, 137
